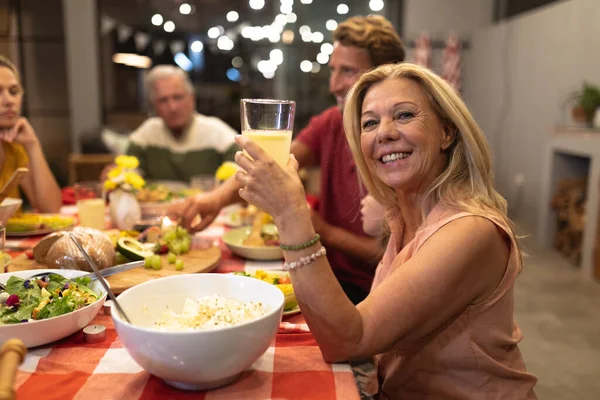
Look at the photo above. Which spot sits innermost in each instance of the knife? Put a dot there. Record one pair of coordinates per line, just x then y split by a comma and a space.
100, 277
114, 270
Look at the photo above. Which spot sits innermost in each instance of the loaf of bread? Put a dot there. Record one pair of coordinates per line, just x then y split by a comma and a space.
57, 250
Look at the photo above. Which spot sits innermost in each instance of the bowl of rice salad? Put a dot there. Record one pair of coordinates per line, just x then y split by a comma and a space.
198, 331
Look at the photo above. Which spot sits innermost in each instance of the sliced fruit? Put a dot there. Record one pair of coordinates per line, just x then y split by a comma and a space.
289, 296
132, 249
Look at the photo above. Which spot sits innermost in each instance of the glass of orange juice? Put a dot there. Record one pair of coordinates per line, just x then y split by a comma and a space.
91, 204
269, 123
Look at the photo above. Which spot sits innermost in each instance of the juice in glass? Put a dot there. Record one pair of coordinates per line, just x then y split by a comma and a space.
91, 213
91, 204
276, 143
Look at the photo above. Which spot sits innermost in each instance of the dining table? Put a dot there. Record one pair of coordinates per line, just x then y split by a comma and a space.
291, 368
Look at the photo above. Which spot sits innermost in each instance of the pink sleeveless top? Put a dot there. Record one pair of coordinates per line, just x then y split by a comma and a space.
475, 356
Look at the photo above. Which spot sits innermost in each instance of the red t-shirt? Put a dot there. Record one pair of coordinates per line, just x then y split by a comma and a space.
340, 193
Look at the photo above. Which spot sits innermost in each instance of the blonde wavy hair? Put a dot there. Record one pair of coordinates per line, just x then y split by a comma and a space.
373, 33
6, 63
467, 182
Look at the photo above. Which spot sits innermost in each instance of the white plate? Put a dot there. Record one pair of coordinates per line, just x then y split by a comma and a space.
233, 240
46, 331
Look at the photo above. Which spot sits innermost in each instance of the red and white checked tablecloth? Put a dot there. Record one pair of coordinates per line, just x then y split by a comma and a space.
292, 367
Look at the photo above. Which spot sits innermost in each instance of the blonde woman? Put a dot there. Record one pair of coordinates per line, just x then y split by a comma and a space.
439, 316
20, 146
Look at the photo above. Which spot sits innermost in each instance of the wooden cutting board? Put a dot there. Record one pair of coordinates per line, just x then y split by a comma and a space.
195, 261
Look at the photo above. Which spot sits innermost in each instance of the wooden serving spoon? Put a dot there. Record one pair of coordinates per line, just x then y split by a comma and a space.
12, 354
13, 182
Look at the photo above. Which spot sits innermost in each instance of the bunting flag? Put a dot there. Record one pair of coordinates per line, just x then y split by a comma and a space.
158, 47
177, 46
451, 62
141, 40
107, 24
423, 50
124, 32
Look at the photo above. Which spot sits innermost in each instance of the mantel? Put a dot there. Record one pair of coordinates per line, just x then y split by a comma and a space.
584, 143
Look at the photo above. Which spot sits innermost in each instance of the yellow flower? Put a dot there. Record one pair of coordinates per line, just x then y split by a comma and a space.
109, 185
113, 173
129, 162
134, 180
226, 171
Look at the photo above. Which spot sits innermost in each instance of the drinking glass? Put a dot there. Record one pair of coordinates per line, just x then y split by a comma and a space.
91, 204
269, 123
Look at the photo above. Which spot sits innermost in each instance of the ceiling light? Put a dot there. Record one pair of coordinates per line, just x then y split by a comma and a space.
281, 19
291, 18
197, 46
169, 26
304, 29
224, 43
232, 16
322, 58
183, 62
214, 32
276, 56
237, 62
327, 48
317, 37
376, 5
331, 25
306, 66
185, 8
257, 4
287, 37
233, 75
157, 20
342, 9
132, 60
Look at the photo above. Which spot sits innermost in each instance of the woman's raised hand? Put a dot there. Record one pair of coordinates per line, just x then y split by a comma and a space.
277, 191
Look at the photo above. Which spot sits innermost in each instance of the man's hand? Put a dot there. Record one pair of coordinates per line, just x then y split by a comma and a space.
22, 133
200, 211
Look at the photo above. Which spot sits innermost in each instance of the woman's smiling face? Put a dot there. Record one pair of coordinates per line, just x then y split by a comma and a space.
402, 138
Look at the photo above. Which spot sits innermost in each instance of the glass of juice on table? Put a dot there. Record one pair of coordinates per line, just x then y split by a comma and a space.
269, 123
91, 204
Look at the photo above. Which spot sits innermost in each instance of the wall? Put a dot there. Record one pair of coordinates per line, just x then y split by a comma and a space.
439, 18
520, 73
43, 71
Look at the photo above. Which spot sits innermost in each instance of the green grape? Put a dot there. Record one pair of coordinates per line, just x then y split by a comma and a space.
169, 235
171, 258
181, 233
156, 262
175, 247
148, 262
179, 264
185, 246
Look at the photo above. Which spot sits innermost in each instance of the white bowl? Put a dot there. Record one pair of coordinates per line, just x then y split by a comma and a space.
200, 359
8, 207
234, 238
46, 331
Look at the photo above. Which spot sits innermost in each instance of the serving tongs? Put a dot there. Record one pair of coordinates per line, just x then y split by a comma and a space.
99, 276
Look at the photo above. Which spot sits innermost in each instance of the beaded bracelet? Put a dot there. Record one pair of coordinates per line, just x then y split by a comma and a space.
301, 245
303, 261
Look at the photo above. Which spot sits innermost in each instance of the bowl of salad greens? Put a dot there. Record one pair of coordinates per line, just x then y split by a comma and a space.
42, 309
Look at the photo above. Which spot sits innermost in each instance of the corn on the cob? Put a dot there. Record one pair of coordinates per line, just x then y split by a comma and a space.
289, 296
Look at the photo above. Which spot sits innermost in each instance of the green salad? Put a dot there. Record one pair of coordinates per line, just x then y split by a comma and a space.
27, 300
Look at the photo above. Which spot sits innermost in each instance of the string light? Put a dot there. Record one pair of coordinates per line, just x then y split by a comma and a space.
169, 26
232, 16
342, 9
157, 20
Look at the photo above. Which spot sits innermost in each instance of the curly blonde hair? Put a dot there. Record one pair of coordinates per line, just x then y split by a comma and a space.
467, 181
373, 33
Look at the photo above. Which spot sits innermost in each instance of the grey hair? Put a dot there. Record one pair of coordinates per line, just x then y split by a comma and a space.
165, 71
